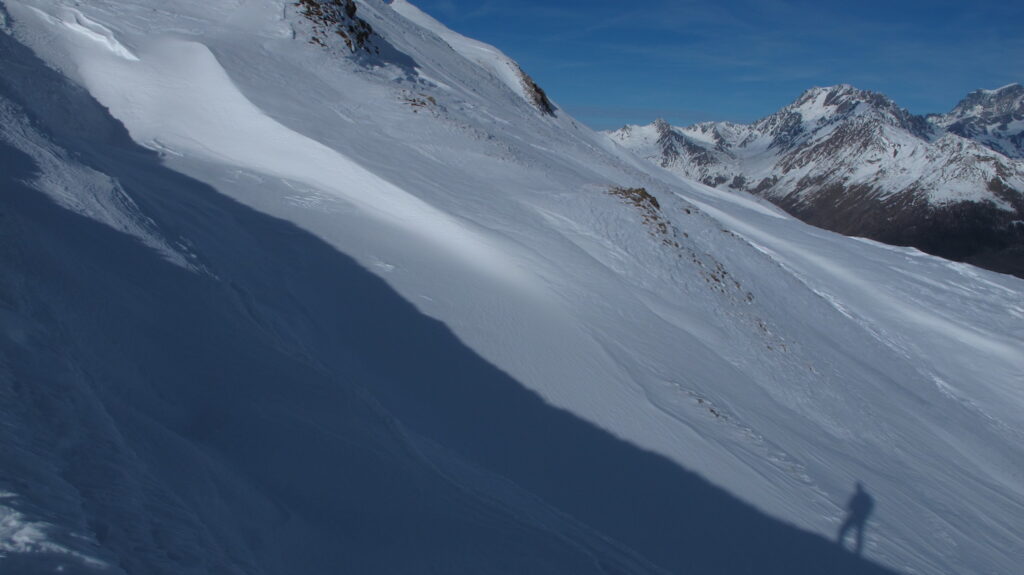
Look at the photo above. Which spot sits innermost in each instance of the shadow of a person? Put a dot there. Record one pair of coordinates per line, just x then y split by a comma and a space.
858, 510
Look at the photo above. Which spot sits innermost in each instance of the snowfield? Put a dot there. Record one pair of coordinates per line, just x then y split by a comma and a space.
272, 307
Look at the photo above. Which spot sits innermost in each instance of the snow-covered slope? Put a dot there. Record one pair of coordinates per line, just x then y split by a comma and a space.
854, 162
272, 305
486, 56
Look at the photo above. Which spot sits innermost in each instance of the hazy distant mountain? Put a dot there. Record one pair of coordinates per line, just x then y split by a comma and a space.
854, 162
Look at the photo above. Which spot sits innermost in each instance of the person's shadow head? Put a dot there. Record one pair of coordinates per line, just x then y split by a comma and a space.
858, 509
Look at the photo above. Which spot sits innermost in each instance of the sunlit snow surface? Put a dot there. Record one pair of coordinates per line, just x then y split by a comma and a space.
781, 362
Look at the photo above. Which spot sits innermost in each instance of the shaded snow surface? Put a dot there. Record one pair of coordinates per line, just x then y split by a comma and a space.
269, 307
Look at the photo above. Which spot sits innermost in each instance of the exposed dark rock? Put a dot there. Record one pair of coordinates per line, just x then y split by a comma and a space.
338, 17
639, 197
537, 95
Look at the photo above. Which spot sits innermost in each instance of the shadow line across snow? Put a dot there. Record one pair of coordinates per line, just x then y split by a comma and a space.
291, 413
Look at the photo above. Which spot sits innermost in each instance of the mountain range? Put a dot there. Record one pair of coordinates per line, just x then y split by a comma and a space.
327, 287
854, 162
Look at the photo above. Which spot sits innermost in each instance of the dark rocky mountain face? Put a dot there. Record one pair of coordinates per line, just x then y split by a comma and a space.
854, 162
978, 233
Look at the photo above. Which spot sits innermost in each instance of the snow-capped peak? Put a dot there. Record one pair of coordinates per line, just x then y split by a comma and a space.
1014, 89
1005, 101
994, 118
821, 105
842, 146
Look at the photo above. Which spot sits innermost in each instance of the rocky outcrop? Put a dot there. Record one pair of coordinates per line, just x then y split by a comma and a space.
534, 93
338, 18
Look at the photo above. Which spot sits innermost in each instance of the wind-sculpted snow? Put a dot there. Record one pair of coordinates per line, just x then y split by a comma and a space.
74, 20
425, 328
186, 103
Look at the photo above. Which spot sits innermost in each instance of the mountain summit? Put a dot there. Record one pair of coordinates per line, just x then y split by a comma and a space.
854, 162
992, 117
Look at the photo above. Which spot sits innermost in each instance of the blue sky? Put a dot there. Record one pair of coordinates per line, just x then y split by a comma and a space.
611, 62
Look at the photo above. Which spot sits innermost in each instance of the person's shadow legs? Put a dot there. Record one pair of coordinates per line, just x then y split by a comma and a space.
858, 509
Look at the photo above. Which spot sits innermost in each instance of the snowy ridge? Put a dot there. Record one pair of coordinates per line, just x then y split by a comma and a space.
854, 162
830, 136
430, 327
486, 56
